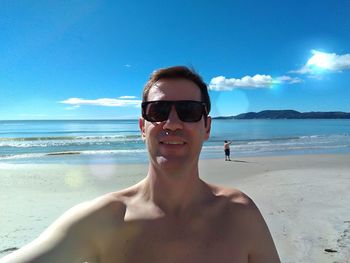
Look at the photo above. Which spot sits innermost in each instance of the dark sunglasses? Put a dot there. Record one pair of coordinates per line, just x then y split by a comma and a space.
187, 110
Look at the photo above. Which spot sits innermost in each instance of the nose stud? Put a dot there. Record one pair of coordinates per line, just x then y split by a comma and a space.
166, 133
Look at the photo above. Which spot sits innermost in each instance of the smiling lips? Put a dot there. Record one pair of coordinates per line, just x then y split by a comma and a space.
173, 142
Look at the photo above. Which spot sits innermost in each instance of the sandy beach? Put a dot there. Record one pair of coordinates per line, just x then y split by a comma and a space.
303, 198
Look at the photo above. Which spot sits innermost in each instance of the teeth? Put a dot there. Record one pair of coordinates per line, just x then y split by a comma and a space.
173, 142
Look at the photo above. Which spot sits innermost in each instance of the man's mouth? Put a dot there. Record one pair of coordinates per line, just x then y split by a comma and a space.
173, 142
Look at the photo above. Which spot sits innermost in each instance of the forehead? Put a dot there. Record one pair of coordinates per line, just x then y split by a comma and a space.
174, 89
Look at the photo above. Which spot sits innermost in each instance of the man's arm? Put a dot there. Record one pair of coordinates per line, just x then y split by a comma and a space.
263, 248
73, 237
66, 240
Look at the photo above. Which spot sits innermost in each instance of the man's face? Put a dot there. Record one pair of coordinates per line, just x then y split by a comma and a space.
174, 143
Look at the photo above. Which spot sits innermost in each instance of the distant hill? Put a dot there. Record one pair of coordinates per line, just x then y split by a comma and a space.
288, 114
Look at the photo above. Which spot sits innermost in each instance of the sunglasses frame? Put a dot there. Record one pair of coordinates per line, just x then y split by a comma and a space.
173, 102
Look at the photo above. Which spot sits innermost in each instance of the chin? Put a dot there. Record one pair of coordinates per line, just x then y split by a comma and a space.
175, 163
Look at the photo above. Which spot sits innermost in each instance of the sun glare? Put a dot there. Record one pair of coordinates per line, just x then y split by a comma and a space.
320, 60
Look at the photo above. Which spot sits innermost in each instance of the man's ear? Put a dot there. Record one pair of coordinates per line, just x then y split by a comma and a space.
207, 128
142, 128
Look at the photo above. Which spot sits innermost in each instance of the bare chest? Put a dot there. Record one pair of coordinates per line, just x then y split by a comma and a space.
196, 241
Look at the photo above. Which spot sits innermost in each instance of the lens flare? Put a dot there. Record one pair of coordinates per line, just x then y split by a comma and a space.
320, 60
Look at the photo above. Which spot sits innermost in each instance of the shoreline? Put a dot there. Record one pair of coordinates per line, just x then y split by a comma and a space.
303, 198
82, 158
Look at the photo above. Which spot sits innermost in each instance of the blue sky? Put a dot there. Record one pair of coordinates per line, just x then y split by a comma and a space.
89, 59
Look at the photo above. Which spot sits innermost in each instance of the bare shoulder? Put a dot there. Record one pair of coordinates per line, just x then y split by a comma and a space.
245, 215
114, 203
238, 206
108, 207
233, 197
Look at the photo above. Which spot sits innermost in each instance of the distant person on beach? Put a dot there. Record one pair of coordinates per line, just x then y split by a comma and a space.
171, 215
227, 150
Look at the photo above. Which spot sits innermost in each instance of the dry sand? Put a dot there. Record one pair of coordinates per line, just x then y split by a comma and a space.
305, 199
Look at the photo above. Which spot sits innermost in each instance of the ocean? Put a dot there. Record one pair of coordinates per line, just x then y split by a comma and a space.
119, 141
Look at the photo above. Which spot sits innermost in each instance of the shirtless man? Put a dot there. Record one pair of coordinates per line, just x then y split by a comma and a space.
171, 215
227, 150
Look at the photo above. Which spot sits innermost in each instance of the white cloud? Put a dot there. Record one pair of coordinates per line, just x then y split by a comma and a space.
324, 61
248, 82
127, 97
74, 107
127, 65
287, 79
303, 70
103, 102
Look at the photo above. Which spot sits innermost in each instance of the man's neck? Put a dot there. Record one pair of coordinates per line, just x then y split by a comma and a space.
174, 193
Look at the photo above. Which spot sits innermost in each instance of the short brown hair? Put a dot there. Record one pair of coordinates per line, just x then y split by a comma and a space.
178, 72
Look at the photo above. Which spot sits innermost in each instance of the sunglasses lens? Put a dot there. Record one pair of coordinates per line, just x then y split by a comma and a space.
189, 111
157, 111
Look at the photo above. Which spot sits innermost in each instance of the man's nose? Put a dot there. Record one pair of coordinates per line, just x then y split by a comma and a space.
173, 122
